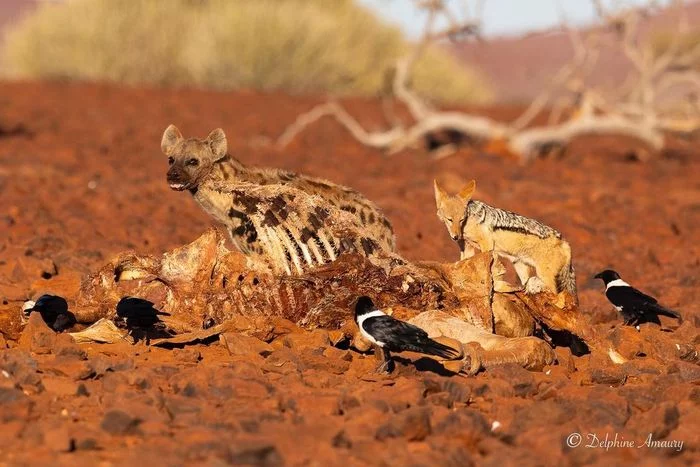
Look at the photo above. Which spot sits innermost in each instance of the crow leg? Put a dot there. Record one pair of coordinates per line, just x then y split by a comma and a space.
387, 365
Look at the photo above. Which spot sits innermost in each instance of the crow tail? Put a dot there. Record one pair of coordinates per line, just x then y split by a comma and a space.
659, 310
432, 347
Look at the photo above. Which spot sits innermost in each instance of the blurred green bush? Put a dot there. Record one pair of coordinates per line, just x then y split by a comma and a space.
297, 46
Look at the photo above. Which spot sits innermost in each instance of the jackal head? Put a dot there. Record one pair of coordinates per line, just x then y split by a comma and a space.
191, 159
452, 210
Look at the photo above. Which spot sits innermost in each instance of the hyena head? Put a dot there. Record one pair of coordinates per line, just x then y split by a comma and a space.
452, 210
192, 159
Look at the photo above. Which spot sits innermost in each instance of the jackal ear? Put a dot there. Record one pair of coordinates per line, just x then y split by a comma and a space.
468, 190
217, 142
439, 193
171, 136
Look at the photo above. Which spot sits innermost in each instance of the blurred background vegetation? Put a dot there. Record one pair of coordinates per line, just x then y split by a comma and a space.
298, 46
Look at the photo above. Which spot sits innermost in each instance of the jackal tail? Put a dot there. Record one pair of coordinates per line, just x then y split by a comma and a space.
566, 281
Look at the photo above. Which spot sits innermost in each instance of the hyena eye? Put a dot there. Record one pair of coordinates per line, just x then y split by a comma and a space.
193, 162
171, 161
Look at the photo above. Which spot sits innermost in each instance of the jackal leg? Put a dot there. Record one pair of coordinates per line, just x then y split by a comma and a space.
523, 271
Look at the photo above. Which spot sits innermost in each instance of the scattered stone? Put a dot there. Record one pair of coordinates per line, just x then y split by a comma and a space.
118, 423
312, 359
446, 392
281, 361
87, 444
59, 440
332, 352
187, 355
565, 359
37, 337
347, 402
265, 455
412, 424
627, 341
82, 390
523, 381
611, 376
66, 349
466, 422
689, 372
10, 395
240, 344
340, 440
317, 339
659, 421
59, 386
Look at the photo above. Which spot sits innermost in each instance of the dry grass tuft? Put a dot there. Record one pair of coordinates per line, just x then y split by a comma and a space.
293, 45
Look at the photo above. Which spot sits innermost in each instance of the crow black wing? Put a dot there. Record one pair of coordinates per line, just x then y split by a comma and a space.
634, 302
625, 296
399, 336
137, 312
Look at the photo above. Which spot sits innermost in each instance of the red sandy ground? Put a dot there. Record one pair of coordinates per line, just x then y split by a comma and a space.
82, 178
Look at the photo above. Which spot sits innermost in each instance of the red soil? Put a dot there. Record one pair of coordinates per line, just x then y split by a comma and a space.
82, 178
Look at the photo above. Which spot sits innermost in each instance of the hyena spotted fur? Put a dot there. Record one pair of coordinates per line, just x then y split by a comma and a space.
295, 232
193, 161
529, 244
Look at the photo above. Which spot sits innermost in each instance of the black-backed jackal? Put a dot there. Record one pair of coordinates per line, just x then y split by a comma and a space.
526, 242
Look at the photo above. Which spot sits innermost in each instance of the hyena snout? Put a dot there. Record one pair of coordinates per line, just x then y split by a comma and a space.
177, 178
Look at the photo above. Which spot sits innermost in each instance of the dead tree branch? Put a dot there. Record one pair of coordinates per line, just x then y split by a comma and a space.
633, 109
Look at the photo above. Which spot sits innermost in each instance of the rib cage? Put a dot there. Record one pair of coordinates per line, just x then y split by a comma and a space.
295, 233
366, 213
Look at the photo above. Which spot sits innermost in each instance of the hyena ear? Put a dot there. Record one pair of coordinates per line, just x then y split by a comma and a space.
468, 190
217, 142
171, 136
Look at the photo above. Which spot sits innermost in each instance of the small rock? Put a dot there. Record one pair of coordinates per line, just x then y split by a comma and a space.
317, 339
187, 355
118, 423
689, 372
311, 359
468, 423
67, 349
59, 440
37, 337
340, 440
565, 359
321, 404
412, 424
87, 444
611, 376
659, 421
240, 344
265, 455
446, 392
627, 341
347, 402
282, 361
332, 352
523, 381
10, 395
58, 386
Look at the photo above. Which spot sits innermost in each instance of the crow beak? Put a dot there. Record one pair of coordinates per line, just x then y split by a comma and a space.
598, 276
